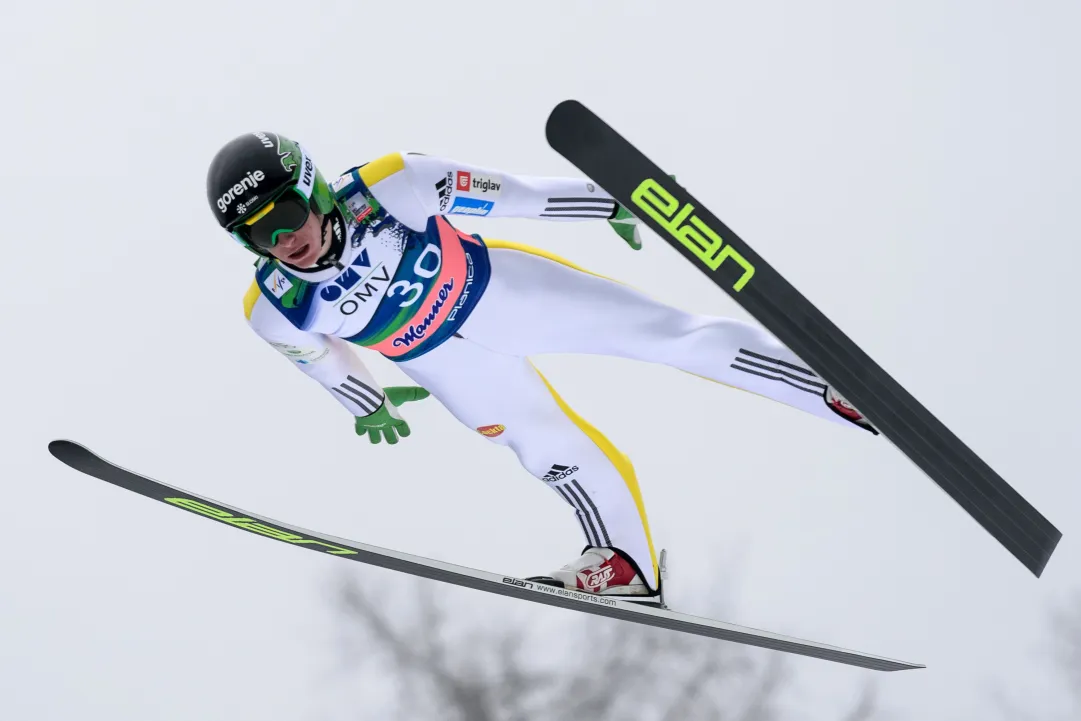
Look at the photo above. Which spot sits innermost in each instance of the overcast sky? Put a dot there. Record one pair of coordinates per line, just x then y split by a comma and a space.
911, 167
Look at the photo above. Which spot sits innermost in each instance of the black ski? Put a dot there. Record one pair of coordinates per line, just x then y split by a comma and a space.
85, 461
688, 226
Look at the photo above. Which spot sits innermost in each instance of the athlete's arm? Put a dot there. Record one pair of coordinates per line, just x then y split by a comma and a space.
414, 187
329, 361
450, 187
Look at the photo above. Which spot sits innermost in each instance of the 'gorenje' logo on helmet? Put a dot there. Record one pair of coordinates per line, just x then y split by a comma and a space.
250, 181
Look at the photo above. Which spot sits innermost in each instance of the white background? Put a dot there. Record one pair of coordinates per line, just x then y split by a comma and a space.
910, 167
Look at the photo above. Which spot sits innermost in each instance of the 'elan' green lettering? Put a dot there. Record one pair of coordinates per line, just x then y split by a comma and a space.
250, 524
697, 237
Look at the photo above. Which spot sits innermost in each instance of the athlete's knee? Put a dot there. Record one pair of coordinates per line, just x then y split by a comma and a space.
680, 331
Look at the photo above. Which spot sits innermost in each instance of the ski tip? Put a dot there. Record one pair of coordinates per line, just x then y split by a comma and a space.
62, 449
564, 108
565, 117
569, 103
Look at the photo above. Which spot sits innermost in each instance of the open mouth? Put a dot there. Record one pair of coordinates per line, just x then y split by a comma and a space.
300, 252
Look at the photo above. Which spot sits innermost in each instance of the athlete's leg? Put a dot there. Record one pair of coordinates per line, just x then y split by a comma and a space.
537, 303
508, 400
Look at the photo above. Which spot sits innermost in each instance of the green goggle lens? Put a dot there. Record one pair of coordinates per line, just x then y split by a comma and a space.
285, 214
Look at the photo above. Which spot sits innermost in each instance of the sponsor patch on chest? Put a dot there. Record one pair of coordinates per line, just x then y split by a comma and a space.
360, 284
277, 283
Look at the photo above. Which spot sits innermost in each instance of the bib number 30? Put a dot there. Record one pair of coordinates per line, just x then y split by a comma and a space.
413, 291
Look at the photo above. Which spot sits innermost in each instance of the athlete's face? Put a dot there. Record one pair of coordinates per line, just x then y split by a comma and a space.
304, 246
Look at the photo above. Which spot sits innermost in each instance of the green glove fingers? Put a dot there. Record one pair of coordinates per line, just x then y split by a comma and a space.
626, 225
379, 425
404, 394
385, 423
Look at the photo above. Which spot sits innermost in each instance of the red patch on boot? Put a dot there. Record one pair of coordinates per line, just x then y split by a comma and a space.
845, 410
613, 572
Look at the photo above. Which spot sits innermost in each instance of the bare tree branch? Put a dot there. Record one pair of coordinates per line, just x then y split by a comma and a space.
1064, 624
418, 653
865, 707
760, 706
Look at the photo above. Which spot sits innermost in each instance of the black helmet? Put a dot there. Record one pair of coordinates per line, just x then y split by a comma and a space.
264, 177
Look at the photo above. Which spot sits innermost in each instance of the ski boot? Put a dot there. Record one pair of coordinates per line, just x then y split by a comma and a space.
846, 410
607, 572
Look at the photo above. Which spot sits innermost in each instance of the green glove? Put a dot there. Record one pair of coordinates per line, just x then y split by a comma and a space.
626, 225
385, 422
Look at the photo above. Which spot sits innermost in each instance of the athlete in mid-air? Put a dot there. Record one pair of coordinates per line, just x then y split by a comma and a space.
372, 260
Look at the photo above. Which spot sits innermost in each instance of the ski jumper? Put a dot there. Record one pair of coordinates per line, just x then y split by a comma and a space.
461, 315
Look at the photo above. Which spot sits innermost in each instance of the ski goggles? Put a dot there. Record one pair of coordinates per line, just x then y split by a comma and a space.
286, 213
